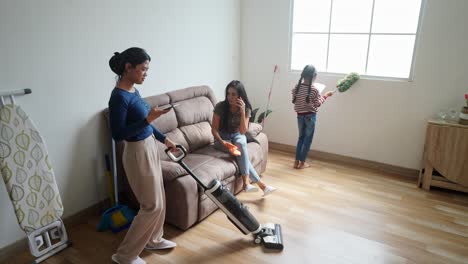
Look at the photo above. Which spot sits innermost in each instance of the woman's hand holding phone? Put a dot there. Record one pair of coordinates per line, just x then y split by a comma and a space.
241, 105
168, 107
155, 113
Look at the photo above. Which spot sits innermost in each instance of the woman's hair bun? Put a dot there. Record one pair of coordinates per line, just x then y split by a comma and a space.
115, 63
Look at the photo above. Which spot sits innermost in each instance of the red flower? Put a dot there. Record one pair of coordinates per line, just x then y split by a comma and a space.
466, 96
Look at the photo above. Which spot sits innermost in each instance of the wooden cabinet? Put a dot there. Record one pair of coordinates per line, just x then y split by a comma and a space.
445, 150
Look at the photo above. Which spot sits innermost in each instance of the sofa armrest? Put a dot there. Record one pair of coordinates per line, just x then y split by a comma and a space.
171, 170
253, 131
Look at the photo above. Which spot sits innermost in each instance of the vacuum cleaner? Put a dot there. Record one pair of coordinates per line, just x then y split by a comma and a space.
268, 234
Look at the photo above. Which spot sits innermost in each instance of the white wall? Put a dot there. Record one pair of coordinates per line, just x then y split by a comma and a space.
60, 49
382, 121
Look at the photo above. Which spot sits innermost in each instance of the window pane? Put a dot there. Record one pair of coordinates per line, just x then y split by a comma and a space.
396, 16
348, 53
390, 56
311, 15
351, 16
309, 49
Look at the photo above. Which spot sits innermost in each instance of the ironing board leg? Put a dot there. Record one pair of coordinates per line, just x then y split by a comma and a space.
48, 240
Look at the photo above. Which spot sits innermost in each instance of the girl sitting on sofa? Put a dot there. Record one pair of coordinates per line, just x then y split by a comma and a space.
230, 123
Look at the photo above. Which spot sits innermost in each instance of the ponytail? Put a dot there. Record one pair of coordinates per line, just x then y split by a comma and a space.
297, 90
309, 91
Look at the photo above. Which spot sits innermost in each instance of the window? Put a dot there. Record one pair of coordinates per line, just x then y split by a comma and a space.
371, 37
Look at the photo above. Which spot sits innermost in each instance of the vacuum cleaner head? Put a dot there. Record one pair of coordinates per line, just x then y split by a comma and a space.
271, 237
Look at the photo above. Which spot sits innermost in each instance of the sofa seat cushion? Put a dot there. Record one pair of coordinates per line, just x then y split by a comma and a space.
210, 150
205, 167
172, 170
220, 169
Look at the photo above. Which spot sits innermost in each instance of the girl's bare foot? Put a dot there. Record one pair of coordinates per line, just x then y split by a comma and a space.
296, 164
303, 165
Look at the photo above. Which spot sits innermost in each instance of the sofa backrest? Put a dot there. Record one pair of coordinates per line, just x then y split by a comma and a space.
194, 114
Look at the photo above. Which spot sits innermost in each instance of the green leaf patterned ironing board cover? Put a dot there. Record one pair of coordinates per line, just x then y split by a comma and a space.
26, 170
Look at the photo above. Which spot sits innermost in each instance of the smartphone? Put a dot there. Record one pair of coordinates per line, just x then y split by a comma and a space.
168, 107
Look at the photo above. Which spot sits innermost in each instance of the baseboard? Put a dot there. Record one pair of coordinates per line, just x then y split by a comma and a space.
21, 245
325, 156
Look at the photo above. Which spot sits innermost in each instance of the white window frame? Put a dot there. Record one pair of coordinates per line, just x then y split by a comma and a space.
363, 76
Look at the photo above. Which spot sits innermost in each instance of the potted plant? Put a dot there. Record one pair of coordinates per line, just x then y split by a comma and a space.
464, 112
261, 117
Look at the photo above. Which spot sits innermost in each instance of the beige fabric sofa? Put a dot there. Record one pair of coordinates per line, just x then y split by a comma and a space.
189, 124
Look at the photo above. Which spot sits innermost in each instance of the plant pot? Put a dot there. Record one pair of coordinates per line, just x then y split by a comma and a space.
464, 116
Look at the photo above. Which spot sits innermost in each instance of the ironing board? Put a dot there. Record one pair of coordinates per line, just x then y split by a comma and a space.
29, 179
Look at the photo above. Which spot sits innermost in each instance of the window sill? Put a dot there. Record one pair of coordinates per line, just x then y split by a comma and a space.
363, 77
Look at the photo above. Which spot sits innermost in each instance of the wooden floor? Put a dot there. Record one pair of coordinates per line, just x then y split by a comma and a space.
330, 213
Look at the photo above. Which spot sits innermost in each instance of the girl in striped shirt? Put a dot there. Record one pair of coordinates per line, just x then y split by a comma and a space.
306, 99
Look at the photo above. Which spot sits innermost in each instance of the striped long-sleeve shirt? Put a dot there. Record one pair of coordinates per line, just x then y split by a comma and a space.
301, 106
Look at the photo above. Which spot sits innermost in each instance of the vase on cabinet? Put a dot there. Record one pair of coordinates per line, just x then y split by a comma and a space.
464, 116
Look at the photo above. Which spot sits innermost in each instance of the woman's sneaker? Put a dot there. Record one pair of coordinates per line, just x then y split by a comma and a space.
164, 244
138, 260
250, 188
268, 189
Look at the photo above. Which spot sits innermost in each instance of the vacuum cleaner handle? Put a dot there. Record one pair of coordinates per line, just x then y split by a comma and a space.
179, 159
173, 157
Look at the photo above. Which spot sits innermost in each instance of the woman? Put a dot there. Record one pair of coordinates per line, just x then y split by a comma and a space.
230, 123
130, 118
